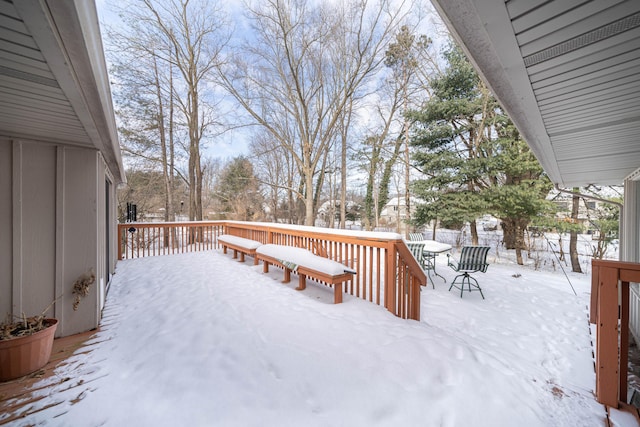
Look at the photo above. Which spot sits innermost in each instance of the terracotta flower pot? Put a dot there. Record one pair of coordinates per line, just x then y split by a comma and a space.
24, 355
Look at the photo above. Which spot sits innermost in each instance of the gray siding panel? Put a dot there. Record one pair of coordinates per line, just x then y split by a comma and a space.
6, 234
36, 235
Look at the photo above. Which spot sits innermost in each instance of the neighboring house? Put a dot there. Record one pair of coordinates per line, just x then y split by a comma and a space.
60, 161
394, 213
587, 210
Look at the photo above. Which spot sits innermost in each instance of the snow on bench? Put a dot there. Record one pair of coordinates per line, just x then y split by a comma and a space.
305, 264
241, 245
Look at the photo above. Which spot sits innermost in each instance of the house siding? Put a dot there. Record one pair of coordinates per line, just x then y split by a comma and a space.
56, 230
6, 234
34, 227
629, 248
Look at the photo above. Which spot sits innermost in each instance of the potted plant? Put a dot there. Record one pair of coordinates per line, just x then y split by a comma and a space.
25, 345
26, 342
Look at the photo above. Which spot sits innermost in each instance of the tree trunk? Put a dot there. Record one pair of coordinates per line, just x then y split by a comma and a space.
407, 180
343, 184
370, 208
474, 233
520, 226
308, 201
513, 232
383, 192
164, 158
573, 240
508, 233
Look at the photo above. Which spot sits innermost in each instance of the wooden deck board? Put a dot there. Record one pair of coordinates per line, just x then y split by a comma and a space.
18, 397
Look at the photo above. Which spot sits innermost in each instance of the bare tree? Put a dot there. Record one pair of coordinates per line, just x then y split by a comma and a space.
195, 33
402, 58
573, 233
295, 80
145, 107
410, 64
173, 44
274, 169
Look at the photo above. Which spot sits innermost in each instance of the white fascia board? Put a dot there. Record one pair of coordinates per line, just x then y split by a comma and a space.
90, 24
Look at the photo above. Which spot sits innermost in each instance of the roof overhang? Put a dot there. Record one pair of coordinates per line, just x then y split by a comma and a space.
568, 74
54, 85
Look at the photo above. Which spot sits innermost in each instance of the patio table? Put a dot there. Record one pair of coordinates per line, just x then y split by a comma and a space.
430, 250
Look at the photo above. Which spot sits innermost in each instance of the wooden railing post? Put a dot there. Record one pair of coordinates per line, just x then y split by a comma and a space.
414, 308
610, 313
607, 365
390, 280
624, 340
120, 241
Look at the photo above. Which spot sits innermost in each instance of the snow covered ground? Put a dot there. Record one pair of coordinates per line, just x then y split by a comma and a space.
201, 340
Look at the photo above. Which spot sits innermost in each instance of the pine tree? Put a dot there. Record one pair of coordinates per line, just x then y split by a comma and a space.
449, 133
473, 158
519, 184
238, 191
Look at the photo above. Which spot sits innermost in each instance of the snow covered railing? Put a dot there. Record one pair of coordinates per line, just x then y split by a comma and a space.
610, 313
141, 239
386, 272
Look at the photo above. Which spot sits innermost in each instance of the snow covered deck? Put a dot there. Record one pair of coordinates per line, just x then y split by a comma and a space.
199, 339
385, 271
20, 399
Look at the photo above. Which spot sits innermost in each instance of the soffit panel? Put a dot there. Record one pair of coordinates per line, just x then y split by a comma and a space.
576, 27
32, 103
520, 7
606, 53
578, 103
534, 23
605, 69
588, 117
585, 78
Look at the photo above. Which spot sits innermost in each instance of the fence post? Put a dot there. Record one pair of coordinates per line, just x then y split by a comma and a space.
414, 304
390, 280
607, 363
120, 242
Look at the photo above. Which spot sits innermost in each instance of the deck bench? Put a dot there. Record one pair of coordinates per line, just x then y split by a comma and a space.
239, 245
305, 264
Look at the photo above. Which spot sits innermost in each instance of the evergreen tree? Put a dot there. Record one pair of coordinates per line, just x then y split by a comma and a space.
238, 191
473, 158
519, 184
449, 134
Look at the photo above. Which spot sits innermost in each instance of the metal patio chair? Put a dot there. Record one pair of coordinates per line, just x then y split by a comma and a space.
473, 259
416, 237
418, 253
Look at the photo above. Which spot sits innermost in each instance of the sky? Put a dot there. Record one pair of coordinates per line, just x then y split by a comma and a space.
200, 339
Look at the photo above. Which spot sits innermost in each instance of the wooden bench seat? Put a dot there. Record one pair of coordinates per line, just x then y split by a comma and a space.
239, 245
305, 264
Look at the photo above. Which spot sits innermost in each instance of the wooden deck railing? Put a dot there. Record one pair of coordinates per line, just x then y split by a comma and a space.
387, 273
610, 313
